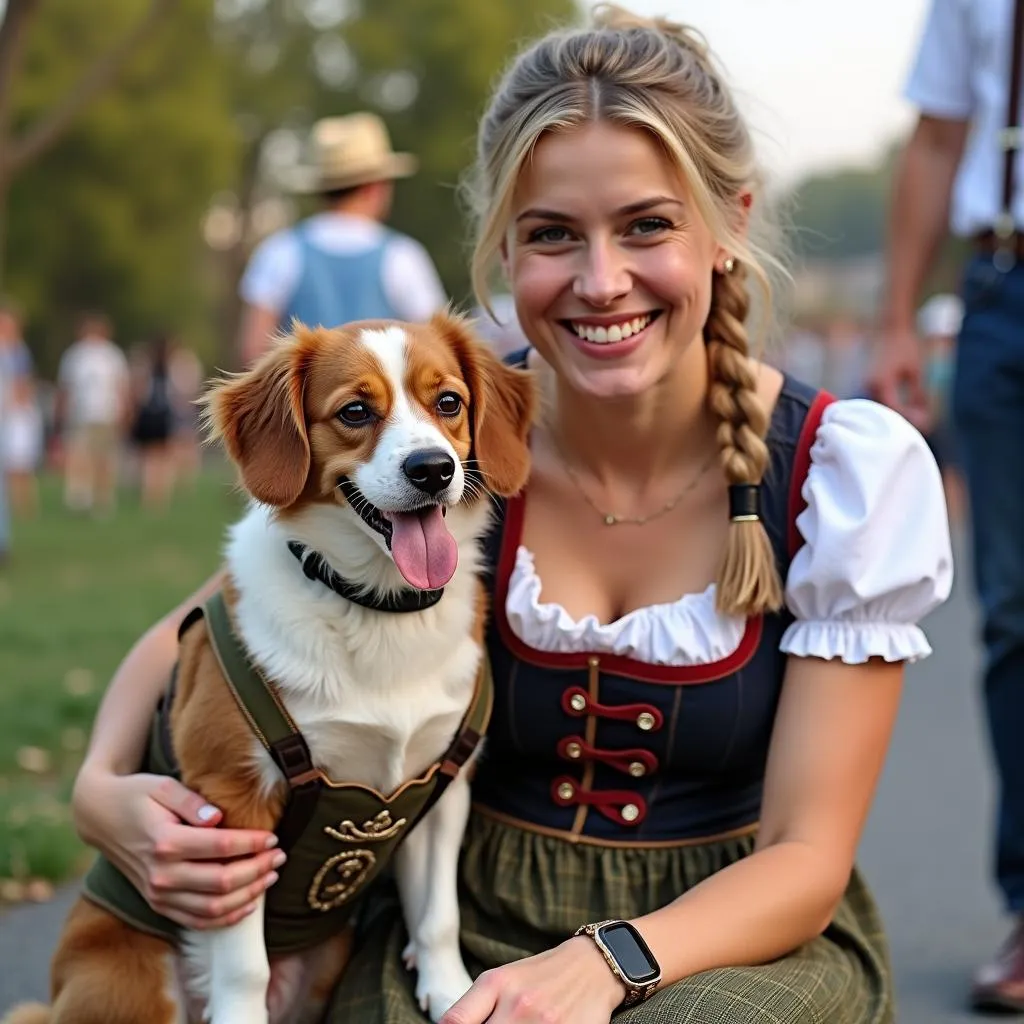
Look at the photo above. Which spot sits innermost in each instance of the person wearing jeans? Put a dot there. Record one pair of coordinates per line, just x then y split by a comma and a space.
960, 171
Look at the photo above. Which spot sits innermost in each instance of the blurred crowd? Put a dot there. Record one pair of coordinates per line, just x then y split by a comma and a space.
112, 415
836, 352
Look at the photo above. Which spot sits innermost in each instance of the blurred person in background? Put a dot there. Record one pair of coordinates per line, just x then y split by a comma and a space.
847, 356
15, 371
93, 406
340, 264
186, 370
153, 423
938, 324
960, 170
23, 446
802, 353
500, 330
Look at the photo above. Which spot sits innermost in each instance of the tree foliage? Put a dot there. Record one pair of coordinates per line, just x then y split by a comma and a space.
111, 216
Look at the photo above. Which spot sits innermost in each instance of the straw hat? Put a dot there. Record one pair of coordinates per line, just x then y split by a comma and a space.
348, 151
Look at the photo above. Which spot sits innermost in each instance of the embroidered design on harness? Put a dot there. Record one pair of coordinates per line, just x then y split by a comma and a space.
377, 828
351, 867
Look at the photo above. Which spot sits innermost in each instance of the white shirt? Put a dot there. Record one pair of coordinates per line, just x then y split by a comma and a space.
94, 374
410, 280
962, 72
876, 559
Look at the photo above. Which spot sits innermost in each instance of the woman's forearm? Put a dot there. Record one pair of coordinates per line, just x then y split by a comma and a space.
123, 720
751, 912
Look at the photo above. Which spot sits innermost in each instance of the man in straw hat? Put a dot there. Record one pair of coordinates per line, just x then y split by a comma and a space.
340, 264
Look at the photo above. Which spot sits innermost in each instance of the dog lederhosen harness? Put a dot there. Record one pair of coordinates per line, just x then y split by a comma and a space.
338, 836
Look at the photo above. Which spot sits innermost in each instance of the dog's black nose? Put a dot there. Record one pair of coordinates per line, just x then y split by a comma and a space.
431, 470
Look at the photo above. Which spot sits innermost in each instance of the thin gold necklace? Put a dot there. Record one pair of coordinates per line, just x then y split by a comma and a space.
613, 518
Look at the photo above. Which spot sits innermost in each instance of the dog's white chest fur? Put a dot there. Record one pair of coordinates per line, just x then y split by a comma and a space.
377, 695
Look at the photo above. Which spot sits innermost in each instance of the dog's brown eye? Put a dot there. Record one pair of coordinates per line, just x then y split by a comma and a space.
355, 414
449, 404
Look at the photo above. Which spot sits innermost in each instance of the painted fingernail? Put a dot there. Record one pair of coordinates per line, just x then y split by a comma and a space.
270, 880
271, 842
207, 812
278, 859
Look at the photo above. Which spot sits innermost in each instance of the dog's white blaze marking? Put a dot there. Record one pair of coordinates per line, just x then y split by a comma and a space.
389, 348
408, 426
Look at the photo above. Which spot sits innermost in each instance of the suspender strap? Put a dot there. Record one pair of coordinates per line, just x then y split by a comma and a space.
1011, 138
269, 720
467, 739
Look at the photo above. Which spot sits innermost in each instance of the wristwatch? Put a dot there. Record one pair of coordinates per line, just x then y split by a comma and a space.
628, 956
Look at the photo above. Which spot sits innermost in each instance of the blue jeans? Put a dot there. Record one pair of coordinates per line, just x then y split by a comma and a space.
988, 412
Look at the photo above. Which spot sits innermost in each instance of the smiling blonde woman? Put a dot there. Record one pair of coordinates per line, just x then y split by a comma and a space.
703, 599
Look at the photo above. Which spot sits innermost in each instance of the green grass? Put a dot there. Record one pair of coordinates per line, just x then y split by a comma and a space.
75, 596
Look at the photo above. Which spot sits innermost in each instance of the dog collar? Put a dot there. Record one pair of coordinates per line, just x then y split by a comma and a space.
316, 568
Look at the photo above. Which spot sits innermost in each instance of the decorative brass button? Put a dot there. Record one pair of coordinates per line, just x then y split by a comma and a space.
646, 721
573, 750
578, 702
566, 791
637, 768
630, 812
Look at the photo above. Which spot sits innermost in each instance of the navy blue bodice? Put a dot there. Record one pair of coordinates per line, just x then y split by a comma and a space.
605, 748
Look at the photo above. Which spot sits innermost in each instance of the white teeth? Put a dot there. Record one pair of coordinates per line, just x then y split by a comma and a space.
616, 332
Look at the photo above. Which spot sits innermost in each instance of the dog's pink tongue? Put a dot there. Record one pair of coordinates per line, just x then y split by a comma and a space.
424, 551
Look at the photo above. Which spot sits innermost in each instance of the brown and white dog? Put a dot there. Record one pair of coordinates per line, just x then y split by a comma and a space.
401, 413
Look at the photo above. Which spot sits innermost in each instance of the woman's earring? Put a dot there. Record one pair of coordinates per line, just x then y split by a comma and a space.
729, 265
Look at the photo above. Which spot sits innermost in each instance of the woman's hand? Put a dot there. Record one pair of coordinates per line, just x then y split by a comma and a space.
570, 984
163, 837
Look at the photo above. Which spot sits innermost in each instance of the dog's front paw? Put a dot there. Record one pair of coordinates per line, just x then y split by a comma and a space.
442, 980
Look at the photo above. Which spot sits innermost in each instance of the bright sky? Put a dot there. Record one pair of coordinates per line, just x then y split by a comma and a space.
821, 80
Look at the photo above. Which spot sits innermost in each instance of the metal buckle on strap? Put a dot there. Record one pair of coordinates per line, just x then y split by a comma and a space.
292, 757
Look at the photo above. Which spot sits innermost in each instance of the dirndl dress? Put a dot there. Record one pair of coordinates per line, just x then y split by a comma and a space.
617, 776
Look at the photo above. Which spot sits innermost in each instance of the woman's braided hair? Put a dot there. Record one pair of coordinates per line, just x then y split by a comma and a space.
657, 76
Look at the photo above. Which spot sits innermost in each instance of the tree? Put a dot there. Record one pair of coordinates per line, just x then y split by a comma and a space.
110, 215
19, 148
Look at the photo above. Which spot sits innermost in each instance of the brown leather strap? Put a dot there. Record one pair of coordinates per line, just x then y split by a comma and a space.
1011, 136
459, 753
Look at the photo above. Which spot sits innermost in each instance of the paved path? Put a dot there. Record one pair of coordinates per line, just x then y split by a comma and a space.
925, 850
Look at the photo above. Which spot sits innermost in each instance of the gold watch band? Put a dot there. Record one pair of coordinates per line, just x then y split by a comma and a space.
636, 992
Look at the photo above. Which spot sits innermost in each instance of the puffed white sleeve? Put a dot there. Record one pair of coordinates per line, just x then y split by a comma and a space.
876, 556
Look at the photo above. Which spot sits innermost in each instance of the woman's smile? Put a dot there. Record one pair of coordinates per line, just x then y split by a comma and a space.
610, 336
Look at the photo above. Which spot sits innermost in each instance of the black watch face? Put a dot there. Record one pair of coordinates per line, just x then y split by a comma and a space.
630, 951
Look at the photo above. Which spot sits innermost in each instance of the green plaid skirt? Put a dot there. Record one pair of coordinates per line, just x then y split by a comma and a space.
522, 893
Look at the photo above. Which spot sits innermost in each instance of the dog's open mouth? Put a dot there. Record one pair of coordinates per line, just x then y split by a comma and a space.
423, 550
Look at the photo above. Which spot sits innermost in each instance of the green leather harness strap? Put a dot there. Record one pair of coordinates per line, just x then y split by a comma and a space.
268, 719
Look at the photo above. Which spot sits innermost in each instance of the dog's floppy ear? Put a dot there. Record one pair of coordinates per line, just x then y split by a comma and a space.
260, 417
502, 408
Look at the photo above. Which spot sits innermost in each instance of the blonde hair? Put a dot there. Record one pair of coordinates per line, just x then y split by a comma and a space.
659, 76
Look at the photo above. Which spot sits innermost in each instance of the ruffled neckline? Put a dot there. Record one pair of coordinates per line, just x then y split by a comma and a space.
688, 631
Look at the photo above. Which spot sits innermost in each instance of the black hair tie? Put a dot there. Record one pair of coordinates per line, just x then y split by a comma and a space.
745, 503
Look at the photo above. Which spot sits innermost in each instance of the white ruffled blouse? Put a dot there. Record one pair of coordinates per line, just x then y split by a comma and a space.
875, 560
